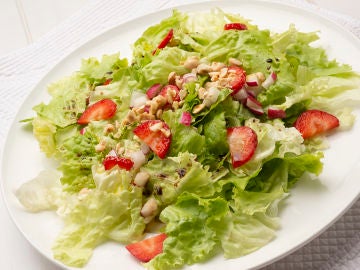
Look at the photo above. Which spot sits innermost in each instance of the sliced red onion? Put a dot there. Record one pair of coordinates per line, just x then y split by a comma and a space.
270, 80
138, 99
274, 112
189, 77
185, 119
211, 96
153, 91
138, 158
254, 105
241, 95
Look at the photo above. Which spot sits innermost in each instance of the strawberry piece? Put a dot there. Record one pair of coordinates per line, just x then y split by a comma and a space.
148, 248
165, 41
242, 142
237, 78
315, 122
235, 26
101, 110
111, 161
153, 91
156, 134
171, 90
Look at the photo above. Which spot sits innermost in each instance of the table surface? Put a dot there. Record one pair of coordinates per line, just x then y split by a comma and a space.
30, 20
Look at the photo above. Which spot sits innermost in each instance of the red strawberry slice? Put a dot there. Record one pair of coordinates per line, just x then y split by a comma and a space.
237, 78
315, 122
111, 161
242, 142
165, 41
235, 26
148, 248
101, 110
156, 134
171, 90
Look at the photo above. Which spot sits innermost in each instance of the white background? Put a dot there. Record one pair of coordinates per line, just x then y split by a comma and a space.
23, 22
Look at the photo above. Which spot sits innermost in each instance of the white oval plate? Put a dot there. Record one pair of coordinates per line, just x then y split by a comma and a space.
311, 208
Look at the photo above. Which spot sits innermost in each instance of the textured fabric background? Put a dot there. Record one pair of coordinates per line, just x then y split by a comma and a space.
337, 248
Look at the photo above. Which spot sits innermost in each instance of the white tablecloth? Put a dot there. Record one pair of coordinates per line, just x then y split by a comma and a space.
337, 248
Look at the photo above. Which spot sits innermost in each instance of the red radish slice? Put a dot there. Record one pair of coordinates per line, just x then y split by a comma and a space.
254, 105
270, 80
241, 95
185, 118
82, 131
274, 112
252, 80
154, 90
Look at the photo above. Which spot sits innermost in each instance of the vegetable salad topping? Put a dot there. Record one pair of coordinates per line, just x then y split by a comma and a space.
204, 132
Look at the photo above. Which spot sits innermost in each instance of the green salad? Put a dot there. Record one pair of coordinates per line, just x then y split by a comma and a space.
185, 151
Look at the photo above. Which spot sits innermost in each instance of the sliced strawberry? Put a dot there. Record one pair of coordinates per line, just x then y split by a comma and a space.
237, 78
242, 142
165, 41
101, 110
148, 248
235, 26
254, 105
153, 91
315, 122
111, 161
171, 90
156, 134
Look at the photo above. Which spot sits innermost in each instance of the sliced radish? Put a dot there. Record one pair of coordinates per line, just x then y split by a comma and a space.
189, 77
254, 105
274, 112
270, 80
153, 91
241, 95
252, 80
144, 148
138, 99
185, 118
82, 131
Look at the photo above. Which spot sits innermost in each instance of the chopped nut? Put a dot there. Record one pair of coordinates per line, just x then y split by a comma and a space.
100, 146
156, 126
159, 113
217, 66
139, 110
191, 62
119, 149
171, 77
149, 208
179, 82
182, 94
146, 116
203, 68
223, 72
234, 61
214, 76
141, 179
166, 132
201, 92
130, 118
198, 108
175, 105
109, 128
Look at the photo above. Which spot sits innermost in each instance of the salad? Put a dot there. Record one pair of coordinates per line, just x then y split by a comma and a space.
186, 151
